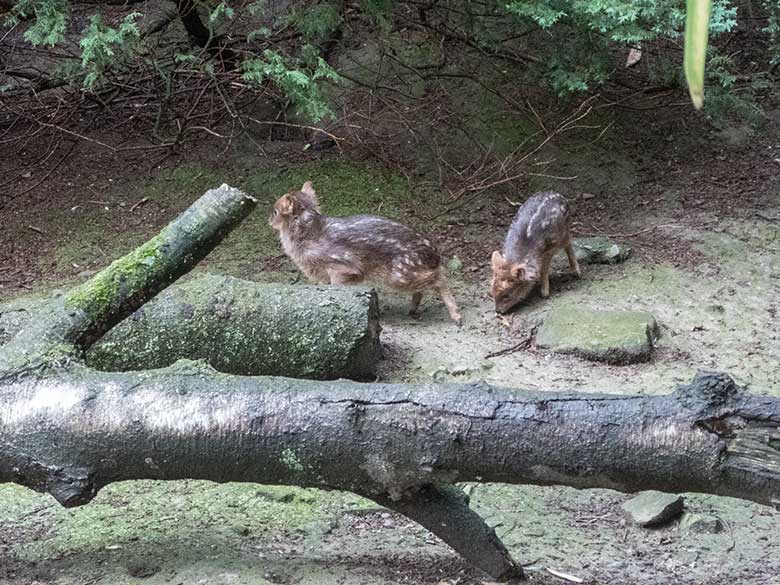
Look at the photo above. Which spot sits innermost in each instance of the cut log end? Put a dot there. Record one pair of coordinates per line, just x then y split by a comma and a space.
72, 487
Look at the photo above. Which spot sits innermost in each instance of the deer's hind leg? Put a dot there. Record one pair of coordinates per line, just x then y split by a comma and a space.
544, 276
575, 266
416, 299
449, 300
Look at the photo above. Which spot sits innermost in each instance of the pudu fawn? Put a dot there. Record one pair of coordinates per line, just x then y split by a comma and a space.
540, 228
348, 250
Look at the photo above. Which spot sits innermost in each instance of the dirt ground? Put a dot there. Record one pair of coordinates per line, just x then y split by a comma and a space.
701, 211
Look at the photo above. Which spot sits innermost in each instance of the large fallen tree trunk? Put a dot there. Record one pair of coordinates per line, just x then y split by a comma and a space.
71, 432
237, 327
68, 430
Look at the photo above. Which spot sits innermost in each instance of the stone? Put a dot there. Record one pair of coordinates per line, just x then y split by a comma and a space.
600, 251
142, 569
700, 523
613, 337
443, 373
241, 529
454, 265
653, 508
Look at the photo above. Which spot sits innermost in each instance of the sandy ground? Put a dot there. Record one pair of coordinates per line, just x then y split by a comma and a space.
706, 264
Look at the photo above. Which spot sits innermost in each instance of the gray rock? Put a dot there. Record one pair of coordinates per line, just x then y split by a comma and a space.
614, 337
600, 251
241, 529
653, 508
142, 569
444, 373
454, 265
700, 523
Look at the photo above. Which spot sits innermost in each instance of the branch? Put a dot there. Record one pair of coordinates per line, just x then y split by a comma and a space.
470, 41
378, 439
444, 510
40, 81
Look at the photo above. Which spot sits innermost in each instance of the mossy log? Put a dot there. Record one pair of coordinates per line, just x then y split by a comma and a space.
237, 327
68, 429
82, 316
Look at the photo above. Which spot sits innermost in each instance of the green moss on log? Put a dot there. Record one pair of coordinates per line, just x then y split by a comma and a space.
131, 271
236, 326
245, 328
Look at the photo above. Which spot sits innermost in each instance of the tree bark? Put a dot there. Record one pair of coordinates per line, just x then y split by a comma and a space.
69, 430
237, 327
381, 440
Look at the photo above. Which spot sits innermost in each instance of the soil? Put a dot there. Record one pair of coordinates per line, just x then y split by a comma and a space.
700, 208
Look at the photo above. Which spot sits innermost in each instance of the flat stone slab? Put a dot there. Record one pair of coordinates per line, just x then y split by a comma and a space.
653, 508
599, 250
614, 337
701, 523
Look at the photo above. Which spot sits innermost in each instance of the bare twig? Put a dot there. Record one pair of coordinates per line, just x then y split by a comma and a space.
47, 175
138, 204
330, 135
565, 576
524, 343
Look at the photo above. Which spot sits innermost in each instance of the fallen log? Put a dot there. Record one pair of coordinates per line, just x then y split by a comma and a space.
68, 429
82, 316
73, 431
237, 327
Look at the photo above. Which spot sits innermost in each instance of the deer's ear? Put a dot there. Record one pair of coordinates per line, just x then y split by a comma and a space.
518, 271
285, 205
497, 261
309, 196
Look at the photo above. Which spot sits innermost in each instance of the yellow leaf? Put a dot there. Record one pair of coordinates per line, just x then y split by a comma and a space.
697, 22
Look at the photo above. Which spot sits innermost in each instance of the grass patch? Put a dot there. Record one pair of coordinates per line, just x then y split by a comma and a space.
171, 515
343, 188
90, 237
